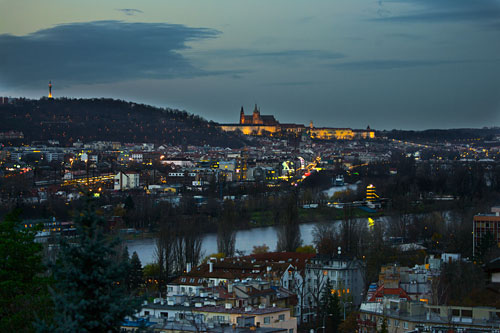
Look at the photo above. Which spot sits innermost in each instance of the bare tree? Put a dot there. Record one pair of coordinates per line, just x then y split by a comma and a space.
164, 252
187, 243
325, 238
288, 226
226, 231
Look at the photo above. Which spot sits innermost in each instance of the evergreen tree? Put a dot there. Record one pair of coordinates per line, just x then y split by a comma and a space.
88, 295
330, 305
136, 277
23, 288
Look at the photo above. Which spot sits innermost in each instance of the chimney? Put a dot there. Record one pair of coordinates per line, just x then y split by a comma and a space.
210, 267
188, 267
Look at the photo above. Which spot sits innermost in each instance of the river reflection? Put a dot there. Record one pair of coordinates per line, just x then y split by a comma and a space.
245, 241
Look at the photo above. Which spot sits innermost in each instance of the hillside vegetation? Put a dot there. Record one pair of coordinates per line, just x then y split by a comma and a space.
69, 120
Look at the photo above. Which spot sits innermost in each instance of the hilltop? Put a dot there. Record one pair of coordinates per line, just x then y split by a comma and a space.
69, 120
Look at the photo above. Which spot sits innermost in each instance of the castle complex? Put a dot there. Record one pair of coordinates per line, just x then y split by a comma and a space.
257, 124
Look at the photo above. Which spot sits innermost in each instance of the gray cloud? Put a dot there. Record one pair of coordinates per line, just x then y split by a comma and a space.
405, 36
280, 57
130, 11
291, 83
389, 64
432, 11
97, 52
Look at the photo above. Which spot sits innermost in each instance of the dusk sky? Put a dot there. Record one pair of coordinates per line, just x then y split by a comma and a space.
404, 64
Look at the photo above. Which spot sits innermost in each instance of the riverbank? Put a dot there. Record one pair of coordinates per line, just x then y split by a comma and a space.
322, 214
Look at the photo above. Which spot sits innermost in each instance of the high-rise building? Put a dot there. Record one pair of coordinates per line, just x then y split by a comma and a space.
484, 224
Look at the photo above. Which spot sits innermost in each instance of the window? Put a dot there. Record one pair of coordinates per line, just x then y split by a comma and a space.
281, 317
467, 313
267, 320
146, 313
405, 325
170, 289
388, 322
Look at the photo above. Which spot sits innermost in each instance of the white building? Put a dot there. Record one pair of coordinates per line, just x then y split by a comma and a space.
344, 274
126, 181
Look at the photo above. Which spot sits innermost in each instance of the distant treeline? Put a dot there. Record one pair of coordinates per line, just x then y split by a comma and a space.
70, 120
441, 135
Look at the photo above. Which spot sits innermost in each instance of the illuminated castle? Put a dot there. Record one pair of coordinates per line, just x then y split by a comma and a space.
50, 89
256, 118
257, 124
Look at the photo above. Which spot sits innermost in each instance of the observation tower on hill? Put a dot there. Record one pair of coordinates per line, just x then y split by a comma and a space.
50, 89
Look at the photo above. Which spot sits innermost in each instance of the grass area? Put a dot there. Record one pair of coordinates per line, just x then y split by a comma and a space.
261, 219
323, 214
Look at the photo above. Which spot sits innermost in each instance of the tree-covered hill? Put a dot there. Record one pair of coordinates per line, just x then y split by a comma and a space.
69, 120
444, 135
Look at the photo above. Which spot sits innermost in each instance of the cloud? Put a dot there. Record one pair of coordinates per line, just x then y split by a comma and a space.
432, 11
99, 52
382, 11
291, 83
403, 35
389, 64
130, 11
284, 57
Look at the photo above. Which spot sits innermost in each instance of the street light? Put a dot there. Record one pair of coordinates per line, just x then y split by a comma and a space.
344, 307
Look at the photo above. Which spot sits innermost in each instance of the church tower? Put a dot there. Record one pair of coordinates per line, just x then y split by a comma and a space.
242, 116
256, 116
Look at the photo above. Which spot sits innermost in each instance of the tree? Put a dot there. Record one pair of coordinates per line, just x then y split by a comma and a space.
226, 231
187, 243
259, 249
350, 324
325, 239
383, 328
330, 305
23, 287
136, 277
164, 253
306, 249
288, 226
88, 294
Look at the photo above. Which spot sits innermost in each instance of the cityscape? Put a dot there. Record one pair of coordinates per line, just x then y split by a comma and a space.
143, 188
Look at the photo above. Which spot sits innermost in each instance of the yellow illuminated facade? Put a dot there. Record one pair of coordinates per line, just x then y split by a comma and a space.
371, 194
257, 124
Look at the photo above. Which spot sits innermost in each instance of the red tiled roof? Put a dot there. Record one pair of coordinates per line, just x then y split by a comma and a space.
381, 292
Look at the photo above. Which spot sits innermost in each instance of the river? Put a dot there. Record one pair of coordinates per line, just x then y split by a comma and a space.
245, 241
